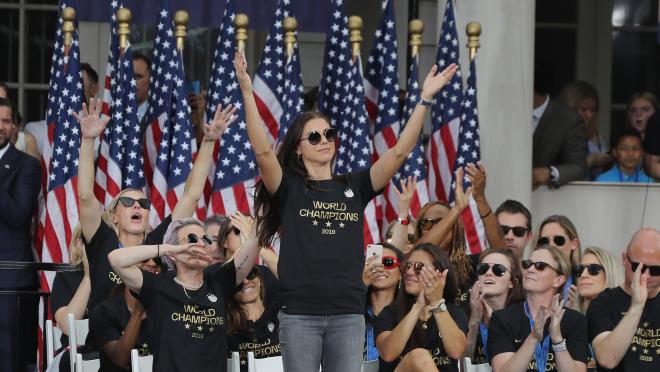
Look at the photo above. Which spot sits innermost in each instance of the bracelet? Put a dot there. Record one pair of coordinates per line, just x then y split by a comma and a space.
439, 307
560, 346
425, 103
208, 140
158, 251
403, 221
487, 214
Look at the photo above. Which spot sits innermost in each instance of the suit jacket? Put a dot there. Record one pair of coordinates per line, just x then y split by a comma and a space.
20, 180
560, 140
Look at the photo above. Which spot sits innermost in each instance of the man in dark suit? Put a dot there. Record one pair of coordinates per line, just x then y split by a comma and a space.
559, 144
20, 179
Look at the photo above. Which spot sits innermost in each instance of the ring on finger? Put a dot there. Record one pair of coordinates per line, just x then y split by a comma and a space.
373, 271
429, 285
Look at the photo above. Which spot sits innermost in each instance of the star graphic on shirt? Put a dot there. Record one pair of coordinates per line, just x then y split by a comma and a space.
634, 348
328, 224
243, 362
645, 324
211, 329
657, 351
187, 326
200, 328
144, 346
341, 224
645, 351
315, 222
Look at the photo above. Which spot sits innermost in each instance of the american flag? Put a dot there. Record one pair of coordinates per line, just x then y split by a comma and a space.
382, 93
414, 165
235, 171
108, 174
277, 83
468, 152
342, 100
168, 138
445, 115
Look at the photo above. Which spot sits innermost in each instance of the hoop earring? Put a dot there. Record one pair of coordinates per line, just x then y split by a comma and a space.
299, 156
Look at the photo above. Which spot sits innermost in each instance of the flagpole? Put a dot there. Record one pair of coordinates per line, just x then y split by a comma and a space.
355, 29
290, 26
415, 28
181, 19
241, 23
68, 27
124, 21
473, 30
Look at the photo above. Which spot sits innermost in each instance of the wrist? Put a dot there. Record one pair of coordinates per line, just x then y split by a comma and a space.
556, 339
426, 96
208, 139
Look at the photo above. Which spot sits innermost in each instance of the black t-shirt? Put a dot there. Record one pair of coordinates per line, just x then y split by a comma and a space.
260, 337
508, 328
652, 136
479, 356
105, 240
607, 310
188, 330
271, 284
108, 322
387, 320
65, 285
322, 247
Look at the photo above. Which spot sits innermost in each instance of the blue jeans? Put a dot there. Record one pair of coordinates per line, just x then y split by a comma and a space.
335, 342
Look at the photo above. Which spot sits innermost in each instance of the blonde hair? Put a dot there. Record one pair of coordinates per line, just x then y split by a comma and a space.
75, 252
564, 267
571, 231
106, 215
612, 269
648, 96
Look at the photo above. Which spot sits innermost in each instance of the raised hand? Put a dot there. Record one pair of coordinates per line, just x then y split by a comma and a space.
372, 270
90, 120
476, 300
240, 64
572, 296
539, 323
408, 189
242, 223
434, 284
639, 288
189, 252
461, 198
434, 81
477, 176
556, 314
221, 120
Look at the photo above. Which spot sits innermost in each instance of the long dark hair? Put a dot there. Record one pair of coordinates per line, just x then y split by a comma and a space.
405, 301
399, 256
515, 294
268, 220
237, 317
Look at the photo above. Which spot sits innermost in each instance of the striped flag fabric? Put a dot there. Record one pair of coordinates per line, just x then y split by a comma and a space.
469, 152
235, 171
168, 138
341, 98
445, 115
277, 83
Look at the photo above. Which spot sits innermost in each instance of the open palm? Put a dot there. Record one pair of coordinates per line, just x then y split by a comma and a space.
90, 120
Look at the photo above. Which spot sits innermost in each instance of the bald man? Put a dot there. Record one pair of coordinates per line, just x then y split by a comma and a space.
624, 322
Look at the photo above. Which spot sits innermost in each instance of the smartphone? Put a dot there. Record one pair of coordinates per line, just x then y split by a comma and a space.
375, 250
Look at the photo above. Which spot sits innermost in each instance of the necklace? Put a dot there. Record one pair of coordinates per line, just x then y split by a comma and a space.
188, 287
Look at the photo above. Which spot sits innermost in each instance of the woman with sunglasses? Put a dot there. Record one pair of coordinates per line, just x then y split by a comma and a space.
319, 217
423, 330
187, 306
518, 336
383, 281
499, 285
126, 221
559, 231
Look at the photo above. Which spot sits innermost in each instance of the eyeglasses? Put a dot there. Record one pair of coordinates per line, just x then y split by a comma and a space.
593, 269
192, 238
498, 269
428, 223
417, 266
252, 274
558, 240
128, 202
391, 262
314, 137
236, 231
654, 270
518, 231
538, 265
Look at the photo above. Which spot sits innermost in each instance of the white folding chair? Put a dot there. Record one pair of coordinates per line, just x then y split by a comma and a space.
141, 363
234, 363
370, 366
78, 330
469, 367
87, 365
272, 364
53, 341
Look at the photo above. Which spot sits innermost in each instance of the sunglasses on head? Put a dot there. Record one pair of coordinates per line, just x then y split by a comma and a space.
498, 269
558, 240
653, 270
538, 265
128, 202
593, 269
192, 238
518, 231
390, 262
427, 223
314, 137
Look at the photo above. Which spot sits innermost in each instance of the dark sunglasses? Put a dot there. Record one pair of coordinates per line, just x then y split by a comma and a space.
314, 137
518, 231
391, 262
192, 238
538, 265
558, 240
236, 231
411, 238
252, 274
427, 223
653, 270
417, 266
498, 269
593, 269
128, 202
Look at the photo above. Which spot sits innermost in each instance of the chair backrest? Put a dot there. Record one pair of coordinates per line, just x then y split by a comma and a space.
141, 363
370, 366
272, 364
87, 365
53, 341
78, 330
234, 363
469, 367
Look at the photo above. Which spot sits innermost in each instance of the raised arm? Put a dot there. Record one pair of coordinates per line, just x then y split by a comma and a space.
247, 254
399, 231
385, 167
477, 176
91, 126
271, 171
196, 180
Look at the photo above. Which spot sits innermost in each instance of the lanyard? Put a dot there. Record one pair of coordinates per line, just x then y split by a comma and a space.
541, 353
483, 331
371, 350
567, 286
